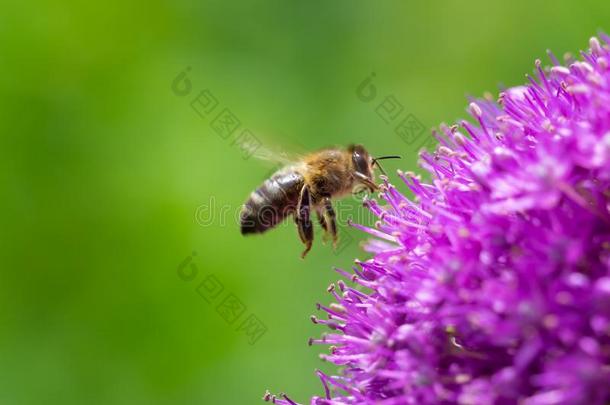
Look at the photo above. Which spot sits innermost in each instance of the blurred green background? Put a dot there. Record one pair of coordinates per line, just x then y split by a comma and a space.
108, 175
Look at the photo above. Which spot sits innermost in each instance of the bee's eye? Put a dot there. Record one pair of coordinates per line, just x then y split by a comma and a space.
361, 161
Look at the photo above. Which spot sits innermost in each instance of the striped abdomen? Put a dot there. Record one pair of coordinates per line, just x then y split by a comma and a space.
272, 202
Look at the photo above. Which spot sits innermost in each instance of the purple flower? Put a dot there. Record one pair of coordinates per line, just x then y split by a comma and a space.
493, 284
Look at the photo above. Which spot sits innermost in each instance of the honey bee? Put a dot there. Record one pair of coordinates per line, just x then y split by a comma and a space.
307, 185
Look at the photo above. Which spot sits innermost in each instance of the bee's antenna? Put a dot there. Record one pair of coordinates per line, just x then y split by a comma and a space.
387, 157
375, 161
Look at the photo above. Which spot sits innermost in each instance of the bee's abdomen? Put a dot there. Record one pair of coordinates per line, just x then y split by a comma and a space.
271, 203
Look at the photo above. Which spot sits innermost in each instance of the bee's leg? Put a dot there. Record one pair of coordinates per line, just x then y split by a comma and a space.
366, 181
330, 219
303, 219
323, 223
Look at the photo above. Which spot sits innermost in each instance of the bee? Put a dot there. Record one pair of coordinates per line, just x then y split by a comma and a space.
309, 185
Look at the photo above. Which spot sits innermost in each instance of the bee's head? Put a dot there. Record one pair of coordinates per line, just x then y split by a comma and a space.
361, 160
364, 164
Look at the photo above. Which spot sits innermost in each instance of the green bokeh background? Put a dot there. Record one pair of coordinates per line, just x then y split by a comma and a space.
104, 172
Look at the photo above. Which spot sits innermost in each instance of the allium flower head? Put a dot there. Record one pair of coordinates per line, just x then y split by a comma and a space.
493, 284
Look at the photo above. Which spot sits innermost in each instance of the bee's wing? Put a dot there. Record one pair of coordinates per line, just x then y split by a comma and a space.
274, 156
270, 152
